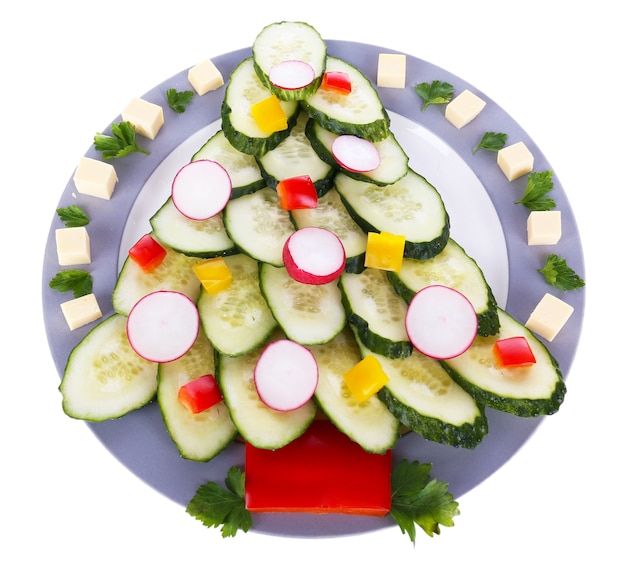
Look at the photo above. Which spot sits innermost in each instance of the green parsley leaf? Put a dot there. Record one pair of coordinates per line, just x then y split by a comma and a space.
73, 216
178, 101
122, 143
436, 92
418, 499
535, 197
491, 141
77, 281
216, 506
560, 275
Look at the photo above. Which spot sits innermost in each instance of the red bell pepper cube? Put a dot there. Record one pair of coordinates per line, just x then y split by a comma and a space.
336, 81
297, 193
513, 352
322, 471
200, 394
147, 253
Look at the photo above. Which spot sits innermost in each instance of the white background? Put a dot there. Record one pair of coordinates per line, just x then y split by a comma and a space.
69, 67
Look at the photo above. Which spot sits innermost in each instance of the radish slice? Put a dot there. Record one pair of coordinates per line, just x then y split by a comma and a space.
162, 326
286, 375
355, 154
201, 189
441, 322
314, 256
292, 75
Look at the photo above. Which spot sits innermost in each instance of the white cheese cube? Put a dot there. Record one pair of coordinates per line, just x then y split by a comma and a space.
204, 77
543, 227
73, 246
80, 311
391, 70
465, 107
145, 116
549, 316
515, 160
95, 178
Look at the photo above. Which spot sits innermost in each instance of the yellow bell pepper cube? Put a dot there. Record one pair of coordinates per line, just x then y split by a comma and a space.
269, 115
365, 378
384, 251
214, 275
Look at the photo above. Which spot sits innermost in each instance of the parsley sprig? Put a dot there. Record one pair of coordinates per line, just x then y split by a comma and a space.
436, 92
560, 275
79, 282
418, 499
73, 216
491, 141
178, 101
122, 143
538, 186
216, 506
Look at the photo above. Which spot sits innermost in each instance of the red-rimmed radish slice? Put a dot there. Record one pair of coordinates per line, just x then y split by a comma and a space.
314, 256
292, 75
162, 326
285, 375
201, 189
355, 153
441, 322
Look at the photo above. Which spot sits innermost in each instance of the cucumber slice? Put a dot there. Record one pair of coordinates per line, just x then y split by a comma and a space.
289, 41
454, 268
243, 91
202, 436
411, 207
259, 226
103, 377
524, 391
308, 314
175, 273
394, 161
237, 319
361, 113
376, 312
369, 423
243, 169
257, 423
202, 239
423, 397
295, 157
331, 214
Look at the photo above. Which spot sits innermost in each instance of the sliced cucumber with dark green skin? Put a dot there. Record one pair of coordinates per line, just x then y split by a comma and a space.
331, 214
175, 273
201, 436
258, 225
289, 41
361, 113
104, 378
394, 162
454, 268
258, 424
411, 207
204, 239
242, 168
368, 423
530, 391
376, 312
243, 91
295, 157
423, 397
237, 319
308, 314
